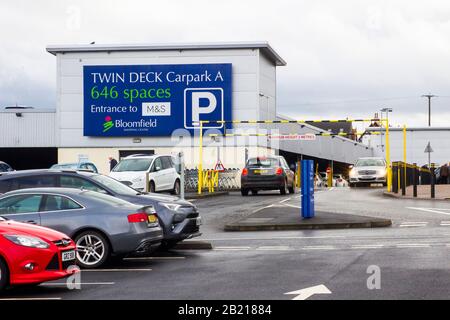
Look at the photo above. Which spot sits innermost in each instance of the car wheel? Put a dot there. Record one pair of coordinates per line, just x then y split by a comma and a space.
176, 188
254, 192
244, 192
92, 249
284, 189
4, 275
151, 187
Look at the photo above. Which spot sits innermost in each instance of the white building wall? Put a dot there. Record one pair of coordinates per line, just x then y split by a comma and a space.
245, 101
416, 142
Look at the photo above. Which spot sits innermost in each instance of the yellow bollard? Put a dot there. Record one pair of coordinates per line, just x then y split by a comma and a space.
200, 160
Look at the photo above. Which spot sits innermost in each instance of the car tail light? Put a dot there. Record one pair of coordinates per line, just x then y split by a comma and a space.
137, 217
279, 171
245, 172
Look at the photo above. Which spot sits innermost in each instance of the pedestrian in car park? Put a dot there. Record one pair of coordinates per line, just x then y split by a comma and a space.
444, 174
112, 163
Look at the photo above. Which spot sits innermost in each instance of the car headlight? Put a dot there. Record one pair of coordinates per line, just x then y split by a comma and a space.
171, 206
382, 172
352, 172
27, 241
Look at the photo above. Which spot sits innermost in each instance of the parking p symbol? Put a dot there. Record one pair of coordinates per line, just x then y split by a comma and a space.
201, 104
197, 109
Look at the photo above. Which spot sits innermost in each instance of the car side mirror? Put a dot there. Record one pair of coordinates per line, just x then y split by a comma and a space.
157, 169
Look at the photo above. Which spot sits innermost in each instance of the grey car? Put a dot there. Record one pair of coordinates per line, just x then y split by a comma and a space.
102, 226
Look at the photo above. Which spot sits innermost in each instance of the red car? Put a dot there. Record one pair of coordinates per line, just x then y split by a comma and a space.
31, 254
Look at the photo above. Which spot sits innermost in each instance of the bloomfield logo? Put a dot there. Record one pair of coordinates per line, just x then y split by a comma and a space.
108, 124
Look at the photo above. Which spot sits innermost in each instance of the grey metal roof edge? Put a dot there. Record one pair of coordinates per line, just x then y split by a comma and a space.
410, 129
264, 45
35, 110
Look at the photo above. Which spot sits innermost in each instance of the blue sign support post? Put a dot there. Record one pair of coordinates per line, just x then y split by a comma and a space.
307, 176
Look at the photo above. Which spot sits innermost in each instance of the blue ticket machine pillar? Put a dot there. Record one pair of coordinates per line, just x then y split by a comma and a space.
307, 189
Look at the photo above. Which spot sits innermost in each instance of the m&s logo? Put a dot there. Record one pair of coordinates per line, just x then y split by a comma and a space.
108, 124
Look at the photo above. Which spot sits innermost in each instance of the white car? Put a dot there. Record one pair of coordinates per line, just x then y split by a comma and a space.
368, 170
161, 170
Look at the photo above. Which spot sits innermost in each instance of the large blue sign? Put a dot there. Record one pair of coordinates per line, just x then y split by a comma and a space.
154, 100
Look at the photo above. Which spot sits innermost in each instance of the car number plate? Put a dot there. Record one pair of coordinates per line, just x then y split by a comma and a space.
68, 255
260, 171
198, 221
152, 219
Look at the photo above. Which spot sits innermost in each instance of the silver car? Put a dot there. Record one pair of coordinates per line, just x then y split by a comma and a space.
368, 170
102, 226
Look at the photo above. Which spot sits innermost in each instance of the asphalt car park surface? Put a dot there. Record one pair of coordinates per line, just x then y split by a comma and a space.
412, 256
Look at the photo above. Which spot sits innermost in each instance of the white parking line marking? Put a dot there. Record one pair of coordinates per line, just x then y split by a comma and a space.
368, 246
413, 245
28, 299
274, 248
319, 248
432, 210
257, 210
116, 270
79, 283
155, 258
291, 205
282, 201
231, 248
415, 222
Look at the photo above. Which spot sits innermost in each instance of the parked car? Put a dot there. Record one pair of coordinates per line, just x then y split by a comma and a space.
267, 173
179, 219
31, 254
339, 181
4, 167
161, 171
368, 170
102, 226
88, 166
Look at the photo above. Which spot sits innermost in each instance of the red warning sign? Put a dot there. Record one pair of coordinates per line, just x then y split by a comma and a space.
219, 166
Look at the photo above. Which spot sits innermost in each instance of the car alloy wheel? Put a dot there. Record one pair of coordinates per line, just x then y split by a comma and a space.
91, 250
176, 188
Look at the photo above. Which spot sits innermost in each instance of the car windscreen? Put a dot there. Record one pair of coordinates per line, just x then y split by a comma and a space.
369, 163
263, 162
106, 199
114, 185
133, 165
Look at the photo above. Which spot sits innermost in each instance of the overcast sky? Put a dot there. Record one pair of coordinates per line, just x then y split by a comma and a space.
345, 58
